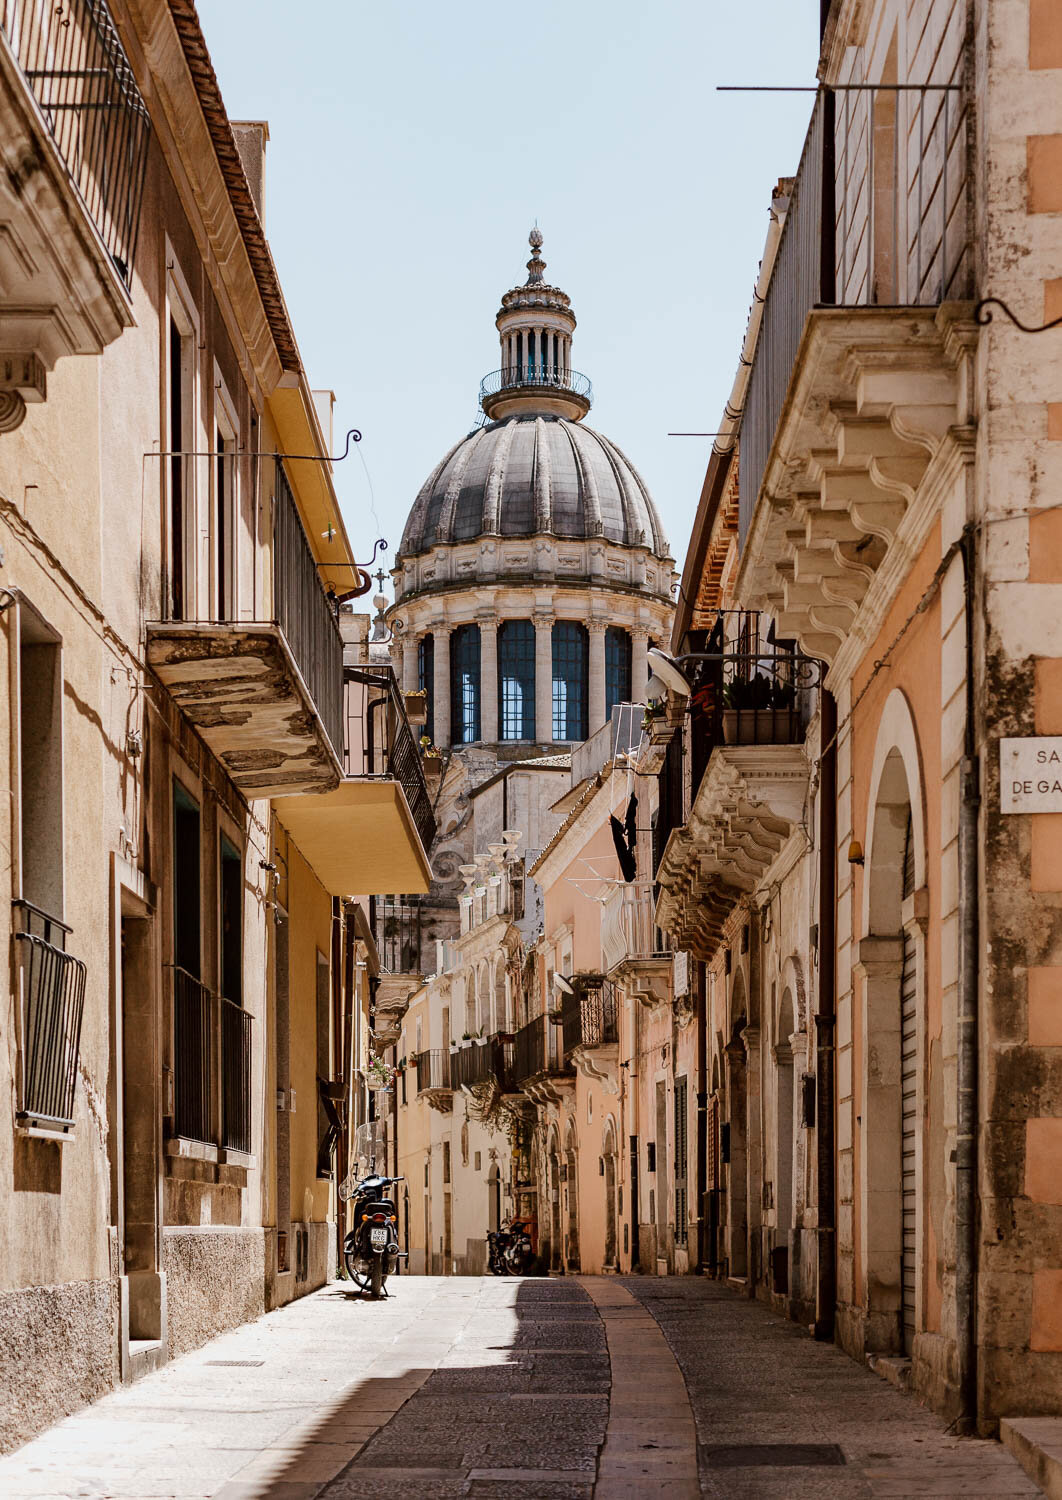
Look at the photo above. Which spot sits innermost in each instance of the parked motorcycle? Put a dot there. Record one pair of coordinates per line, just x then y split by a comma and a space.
509, 1251
370, 1246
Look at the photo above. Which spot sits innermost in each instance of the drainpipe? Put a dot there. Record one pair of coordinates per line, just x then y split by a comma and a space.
701, 1023
967, 1103
825, 1024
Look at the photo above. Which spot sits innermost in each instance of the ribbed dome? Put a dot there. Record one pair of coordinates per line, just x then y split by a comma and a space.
533, 475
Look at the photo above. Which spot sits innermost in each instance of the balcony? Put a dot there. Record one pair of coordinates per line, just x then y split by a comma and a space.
483, 1066
265, 695
590, 1028
396, 928
433, 1080
539, 1067
380, 742
632, 949
50, 997
558, 388
76, 133
858, 388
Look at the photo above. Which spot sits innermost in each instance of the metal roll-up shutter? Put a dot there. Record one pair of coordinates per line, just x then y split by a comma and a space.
909, 1100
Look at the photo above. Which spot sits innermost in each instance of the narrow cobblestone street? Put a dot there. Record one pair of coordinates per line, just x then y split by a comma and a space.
550, 1390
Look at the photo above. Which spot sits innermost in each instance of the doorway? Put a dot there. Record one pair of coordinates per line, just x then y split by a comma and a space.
143, 1303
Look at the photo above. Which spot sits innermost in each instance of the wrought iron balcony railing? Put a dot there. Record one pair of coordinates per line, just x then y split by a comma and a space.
433, 1070
396, 926
485, 1059
386, 745
536, 376
51, 998
236, 1045
305, 613
589, 1016
536, 1049
878, 216
628, 930
76, 68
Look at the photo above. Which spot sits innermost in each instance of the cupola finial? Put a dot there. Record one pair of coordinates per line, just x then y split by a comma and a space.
536, 265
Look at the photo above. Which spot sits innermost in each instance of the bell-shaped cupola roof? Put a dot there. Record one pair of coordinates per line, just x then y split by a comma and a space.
535, 324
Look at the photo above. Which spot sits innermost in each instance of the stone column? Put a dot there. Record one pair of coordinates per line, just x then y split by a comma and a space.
639, 663
597, 674
543, 678
410, 674
488, 676
441, 700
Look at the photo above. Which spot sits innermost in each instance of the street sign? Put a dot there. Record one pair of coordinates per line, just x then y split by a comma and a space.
1030, 775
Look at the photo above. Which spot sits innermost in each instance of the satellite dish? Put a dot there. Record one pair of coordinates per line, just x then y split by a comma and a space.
560, 983
664, 668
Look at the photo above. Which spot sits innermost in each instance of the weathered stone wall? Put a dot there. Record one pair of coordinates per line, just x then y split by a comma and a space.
59, 1350
215, 1279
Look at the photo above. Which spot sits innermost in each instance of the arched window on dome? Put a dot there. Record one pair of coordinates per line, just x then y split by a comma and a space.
426, 680
571, 677
618, 658
516, 680
464, 685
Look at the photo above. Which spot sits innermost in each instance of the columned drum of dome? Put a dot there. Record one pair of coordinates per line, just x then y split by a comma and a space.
539, 535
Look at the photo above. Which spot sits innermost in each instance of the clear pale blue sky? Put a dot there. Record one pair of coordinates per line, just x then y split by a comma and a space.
413, 145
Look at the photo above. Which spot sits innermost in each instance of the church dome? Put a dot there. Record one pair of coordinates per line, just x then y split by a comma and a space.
534, 473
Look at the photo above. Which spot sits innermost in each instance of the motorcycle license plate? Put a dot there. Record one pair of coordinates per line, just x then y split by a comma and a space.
378, 1239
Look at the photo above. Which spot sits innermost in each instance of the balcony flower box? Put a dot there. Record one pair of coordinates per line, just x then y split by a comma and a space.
757, 726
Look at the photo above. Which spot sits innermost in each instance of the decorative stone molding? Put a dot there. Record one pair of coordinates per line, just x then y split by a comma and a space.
599, 1064
880, 403
748, 802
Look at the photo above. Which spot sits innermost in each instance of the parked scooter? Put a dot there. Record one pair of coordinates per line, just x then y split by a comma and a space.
509, 1251
370, 1246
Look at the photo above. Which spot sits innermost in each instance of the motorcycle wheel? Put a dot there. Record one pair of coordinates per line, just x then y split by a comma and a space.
377, 1277
359, 1278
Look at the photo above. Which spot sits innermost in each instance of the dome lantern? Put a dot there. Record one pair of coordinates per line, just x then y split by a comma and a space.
535, 324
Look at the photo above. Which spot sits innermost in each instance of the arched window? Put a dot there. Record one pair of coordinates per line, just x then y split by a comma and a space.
516, 680
617, 668
571, 662
464, 685
426, 680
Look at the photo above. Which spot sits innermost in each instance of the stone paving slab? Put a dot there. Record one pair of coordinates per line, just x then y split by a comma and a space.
541, 1389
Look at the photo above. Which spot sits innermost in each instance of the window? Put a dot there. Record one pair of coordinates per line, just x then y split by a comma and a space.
186, 882
516, 680
180, 440
571, 660
426, 680
231, 902
226, 509
617, 668
235, 1021
40, 765
464, 685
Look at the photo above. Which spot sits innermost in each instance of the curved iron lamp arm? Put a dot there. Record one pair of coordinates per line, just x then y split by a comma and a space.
983, 315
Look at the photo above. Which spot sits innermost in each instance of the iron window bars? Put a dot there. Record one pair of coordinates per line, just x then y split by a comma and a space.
51, 1000
618, 663
571, 678
516, 680
464, 685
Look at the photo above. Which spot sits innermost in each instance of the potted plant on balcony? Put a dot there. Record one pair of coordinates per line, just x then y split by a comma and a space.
378, 1074
757, 712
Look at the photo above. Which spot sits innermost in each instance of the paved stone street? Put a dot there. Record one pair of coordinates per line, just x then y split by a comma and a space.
487, 1388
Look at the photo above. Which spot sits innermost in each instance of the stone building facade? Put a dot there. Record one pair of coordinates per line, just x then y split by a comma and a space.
182, 966
865, 872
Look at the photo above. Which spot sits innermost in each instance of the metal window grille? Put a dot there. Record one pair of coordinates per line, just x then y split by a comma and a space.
571, 676
236, 1043
52, 1002
397, 930
464, 685
77, 71
516, 680
305, 614
426, 680
618, 657
193, 1056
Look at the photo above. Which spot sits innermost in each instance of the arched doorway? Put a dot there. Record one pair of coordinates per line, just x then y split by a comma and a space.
571, 1165
890, 963
554, 1190
737, 1170
611, 1260
782, 1052
494, 1199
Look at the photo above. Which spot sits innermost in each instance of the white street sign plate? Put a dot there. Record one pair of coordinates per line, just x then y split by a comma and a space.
1030, 775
